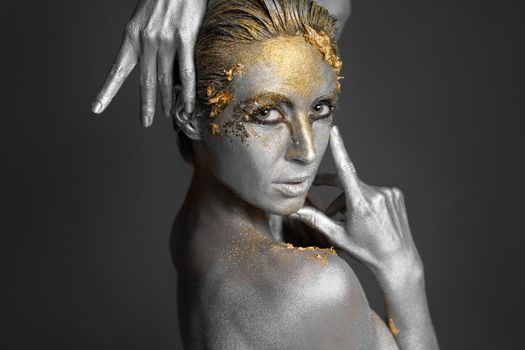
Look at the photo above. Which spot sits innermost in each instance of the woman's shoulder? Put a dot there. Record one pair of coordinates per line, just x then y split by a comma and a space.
273, 288
281, 274
268, 266
309, 267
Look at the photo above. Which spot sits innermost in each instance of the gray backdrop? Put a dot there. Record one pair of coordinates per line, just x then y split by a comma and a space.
432, 102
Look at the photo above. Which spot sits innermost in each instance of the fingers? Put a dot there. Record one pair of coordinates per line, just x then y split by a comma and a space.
327, 180
165, 64
390, 204
187, 73
399, 200
345, 169
148, 79
124, 63
319, 221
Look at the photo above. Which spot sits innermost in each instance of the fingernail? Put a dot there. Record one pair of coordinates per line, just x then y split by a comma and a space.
188, 107
295, 216
96, 107
147, 121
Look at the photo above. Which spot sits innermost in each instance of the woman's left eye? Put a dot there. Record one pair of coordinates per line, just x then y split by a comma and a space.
322, 110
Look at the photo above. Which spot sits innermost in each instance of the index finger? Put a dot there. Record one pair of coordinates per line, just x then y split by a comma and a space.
345, 169
124, 63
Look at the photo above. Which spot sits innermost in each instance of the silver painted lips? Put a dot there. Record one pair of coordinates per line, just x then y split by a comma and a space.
293, 188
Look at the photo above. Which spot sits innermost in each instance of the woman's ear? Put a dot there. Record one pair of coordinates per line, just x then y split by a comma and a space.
187, 123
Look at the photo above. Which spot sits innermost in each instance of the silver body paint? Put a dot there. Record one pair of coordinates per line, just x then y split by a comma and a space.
239, 286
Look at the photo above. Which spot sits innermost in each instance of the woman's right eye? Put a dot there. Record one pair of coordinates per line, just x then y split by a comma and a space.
268, 115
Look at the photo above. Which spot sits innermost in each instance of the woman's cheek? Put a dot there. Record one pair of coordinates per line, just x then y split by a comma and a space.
269, 136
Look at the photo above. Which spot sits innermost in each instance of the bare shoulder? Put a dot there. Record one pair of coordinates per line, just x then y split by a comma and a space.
285, 293
319, 274
283, 271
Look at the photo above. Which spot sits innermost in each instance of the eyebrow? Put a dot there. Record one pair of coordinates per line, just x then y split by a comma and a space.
332, 95
269, 98
266, 98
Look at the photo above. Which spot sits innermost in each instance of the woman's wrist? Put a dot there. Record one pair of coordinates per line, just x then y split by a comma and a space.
400, 274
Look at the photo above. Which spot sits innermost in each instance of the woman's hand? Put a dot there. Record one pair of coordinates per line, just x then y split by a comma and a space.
158, 30
375, 230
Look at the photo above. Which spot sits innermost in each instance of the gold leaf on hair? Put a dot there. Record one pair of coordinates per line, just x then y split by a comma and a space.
323, 42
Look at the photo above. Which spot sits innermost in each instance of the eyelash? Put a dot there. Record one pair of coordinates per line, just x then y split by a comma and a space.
330, 105
253, 115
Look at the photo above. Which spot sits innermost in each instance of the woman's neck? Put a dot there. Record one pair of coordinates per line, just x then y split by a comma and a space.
216, 206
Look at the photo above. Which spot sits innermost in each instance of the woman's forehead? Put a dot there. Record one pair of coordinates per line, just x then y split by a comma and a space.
283, 64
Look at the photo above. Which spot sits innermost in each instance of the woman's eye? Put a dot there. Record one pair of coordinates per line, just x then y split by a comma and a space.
322, 110
269, 115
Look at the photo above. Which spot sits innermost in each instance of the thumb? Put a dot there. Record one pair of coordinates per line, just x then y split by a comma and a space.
318, 220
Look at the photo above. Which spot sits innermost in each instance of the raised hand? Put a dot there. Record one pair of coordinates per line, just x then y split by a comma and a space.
375, 230
158, 30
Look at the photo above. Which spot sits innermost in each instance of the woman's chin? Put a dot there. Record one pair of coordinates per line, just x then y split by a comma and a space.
285, 207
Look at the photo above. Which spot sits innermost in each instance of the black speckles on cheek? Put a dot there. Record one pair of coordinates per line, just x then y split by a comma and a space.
235, 127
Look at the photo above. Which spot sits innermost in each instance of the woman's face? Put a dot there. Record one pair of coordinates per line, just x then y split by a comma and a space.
275, 130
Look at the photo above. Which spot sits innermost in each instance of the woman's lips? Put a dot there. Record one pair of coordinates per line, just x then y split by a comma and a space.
293, 188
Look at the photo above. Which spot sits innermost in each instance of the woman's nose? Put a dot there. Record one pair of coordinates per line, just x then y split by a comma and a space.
302, 148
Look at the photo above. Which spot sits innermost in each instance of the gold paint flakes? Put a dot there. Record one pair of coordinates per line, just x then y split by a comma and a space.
214, 128
392, 326
339, 78
218, 100
248, 248
221, 99
323, 42
320, 254
233, 71
210, 91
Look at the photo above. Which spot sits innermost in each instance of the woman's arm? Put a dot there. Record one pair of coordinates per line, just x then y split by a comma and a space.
376, 232
407, 311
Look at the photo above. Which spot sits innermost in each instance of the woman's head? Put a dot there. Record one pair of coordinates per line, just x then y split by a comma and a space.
267, 82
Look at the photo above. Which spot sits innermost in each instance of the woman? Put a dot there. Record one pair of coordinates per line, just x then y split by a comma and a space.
267, 87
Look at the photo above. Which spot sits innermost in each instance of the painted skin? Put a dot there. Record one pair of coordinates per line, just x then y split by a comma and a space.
158, 31
238, 287
248, 285
269, 154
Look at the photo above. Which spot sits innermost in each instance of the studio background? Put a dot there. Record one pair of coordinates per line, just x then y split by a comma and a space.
432, 103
